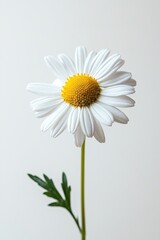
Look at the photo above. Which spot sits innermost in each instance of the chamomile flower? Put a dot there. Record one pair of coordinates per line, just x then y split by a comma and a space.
85, 94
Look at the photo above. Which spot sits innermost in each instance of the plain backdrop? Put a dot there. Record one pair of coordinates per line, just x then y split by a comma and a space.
122, 175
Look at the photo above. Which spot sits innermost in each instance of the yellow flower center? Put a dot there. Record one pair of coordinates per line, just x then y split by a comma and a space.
80, 90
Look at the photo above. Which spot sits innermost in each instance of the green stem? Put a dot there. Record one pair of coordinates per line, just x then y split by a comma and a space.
83, 191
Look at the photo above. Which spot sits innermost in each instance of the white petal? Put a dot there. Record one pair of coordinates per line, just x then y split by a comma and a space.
55, 117
88, 62
106, 83
44, 103
80, 57
58, 83
44, 89
101, 114
100, 58
118, 90
44, 113
116, 78
58, 128
79, 137
131, 82
57, 67
87, 122
68, 64
108, 67
119, 116
73, 119
108, 73
93, 61
107, 62
60, 125
121, 101
99, 133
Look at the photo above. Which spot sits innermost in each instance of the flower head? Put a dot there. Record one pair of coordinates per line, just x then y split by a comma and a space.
84, 95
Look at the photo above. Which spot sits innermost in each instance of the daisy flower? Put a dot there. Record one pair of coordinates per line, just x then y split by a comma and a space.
85, 94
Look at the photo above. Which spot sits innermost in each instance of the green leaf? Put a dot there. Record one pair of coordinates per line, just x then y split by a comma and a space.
64, 179
52, 188
66, 189
52, 192
56, 204
64, 185
49, 194
39, 181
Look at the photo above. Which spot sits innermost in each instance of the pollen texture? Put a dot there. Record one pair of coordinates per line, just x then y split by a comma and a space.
80, 90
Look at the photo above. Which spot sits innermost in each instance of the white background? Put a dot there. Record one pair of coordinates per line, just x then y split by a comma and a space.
122, 175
